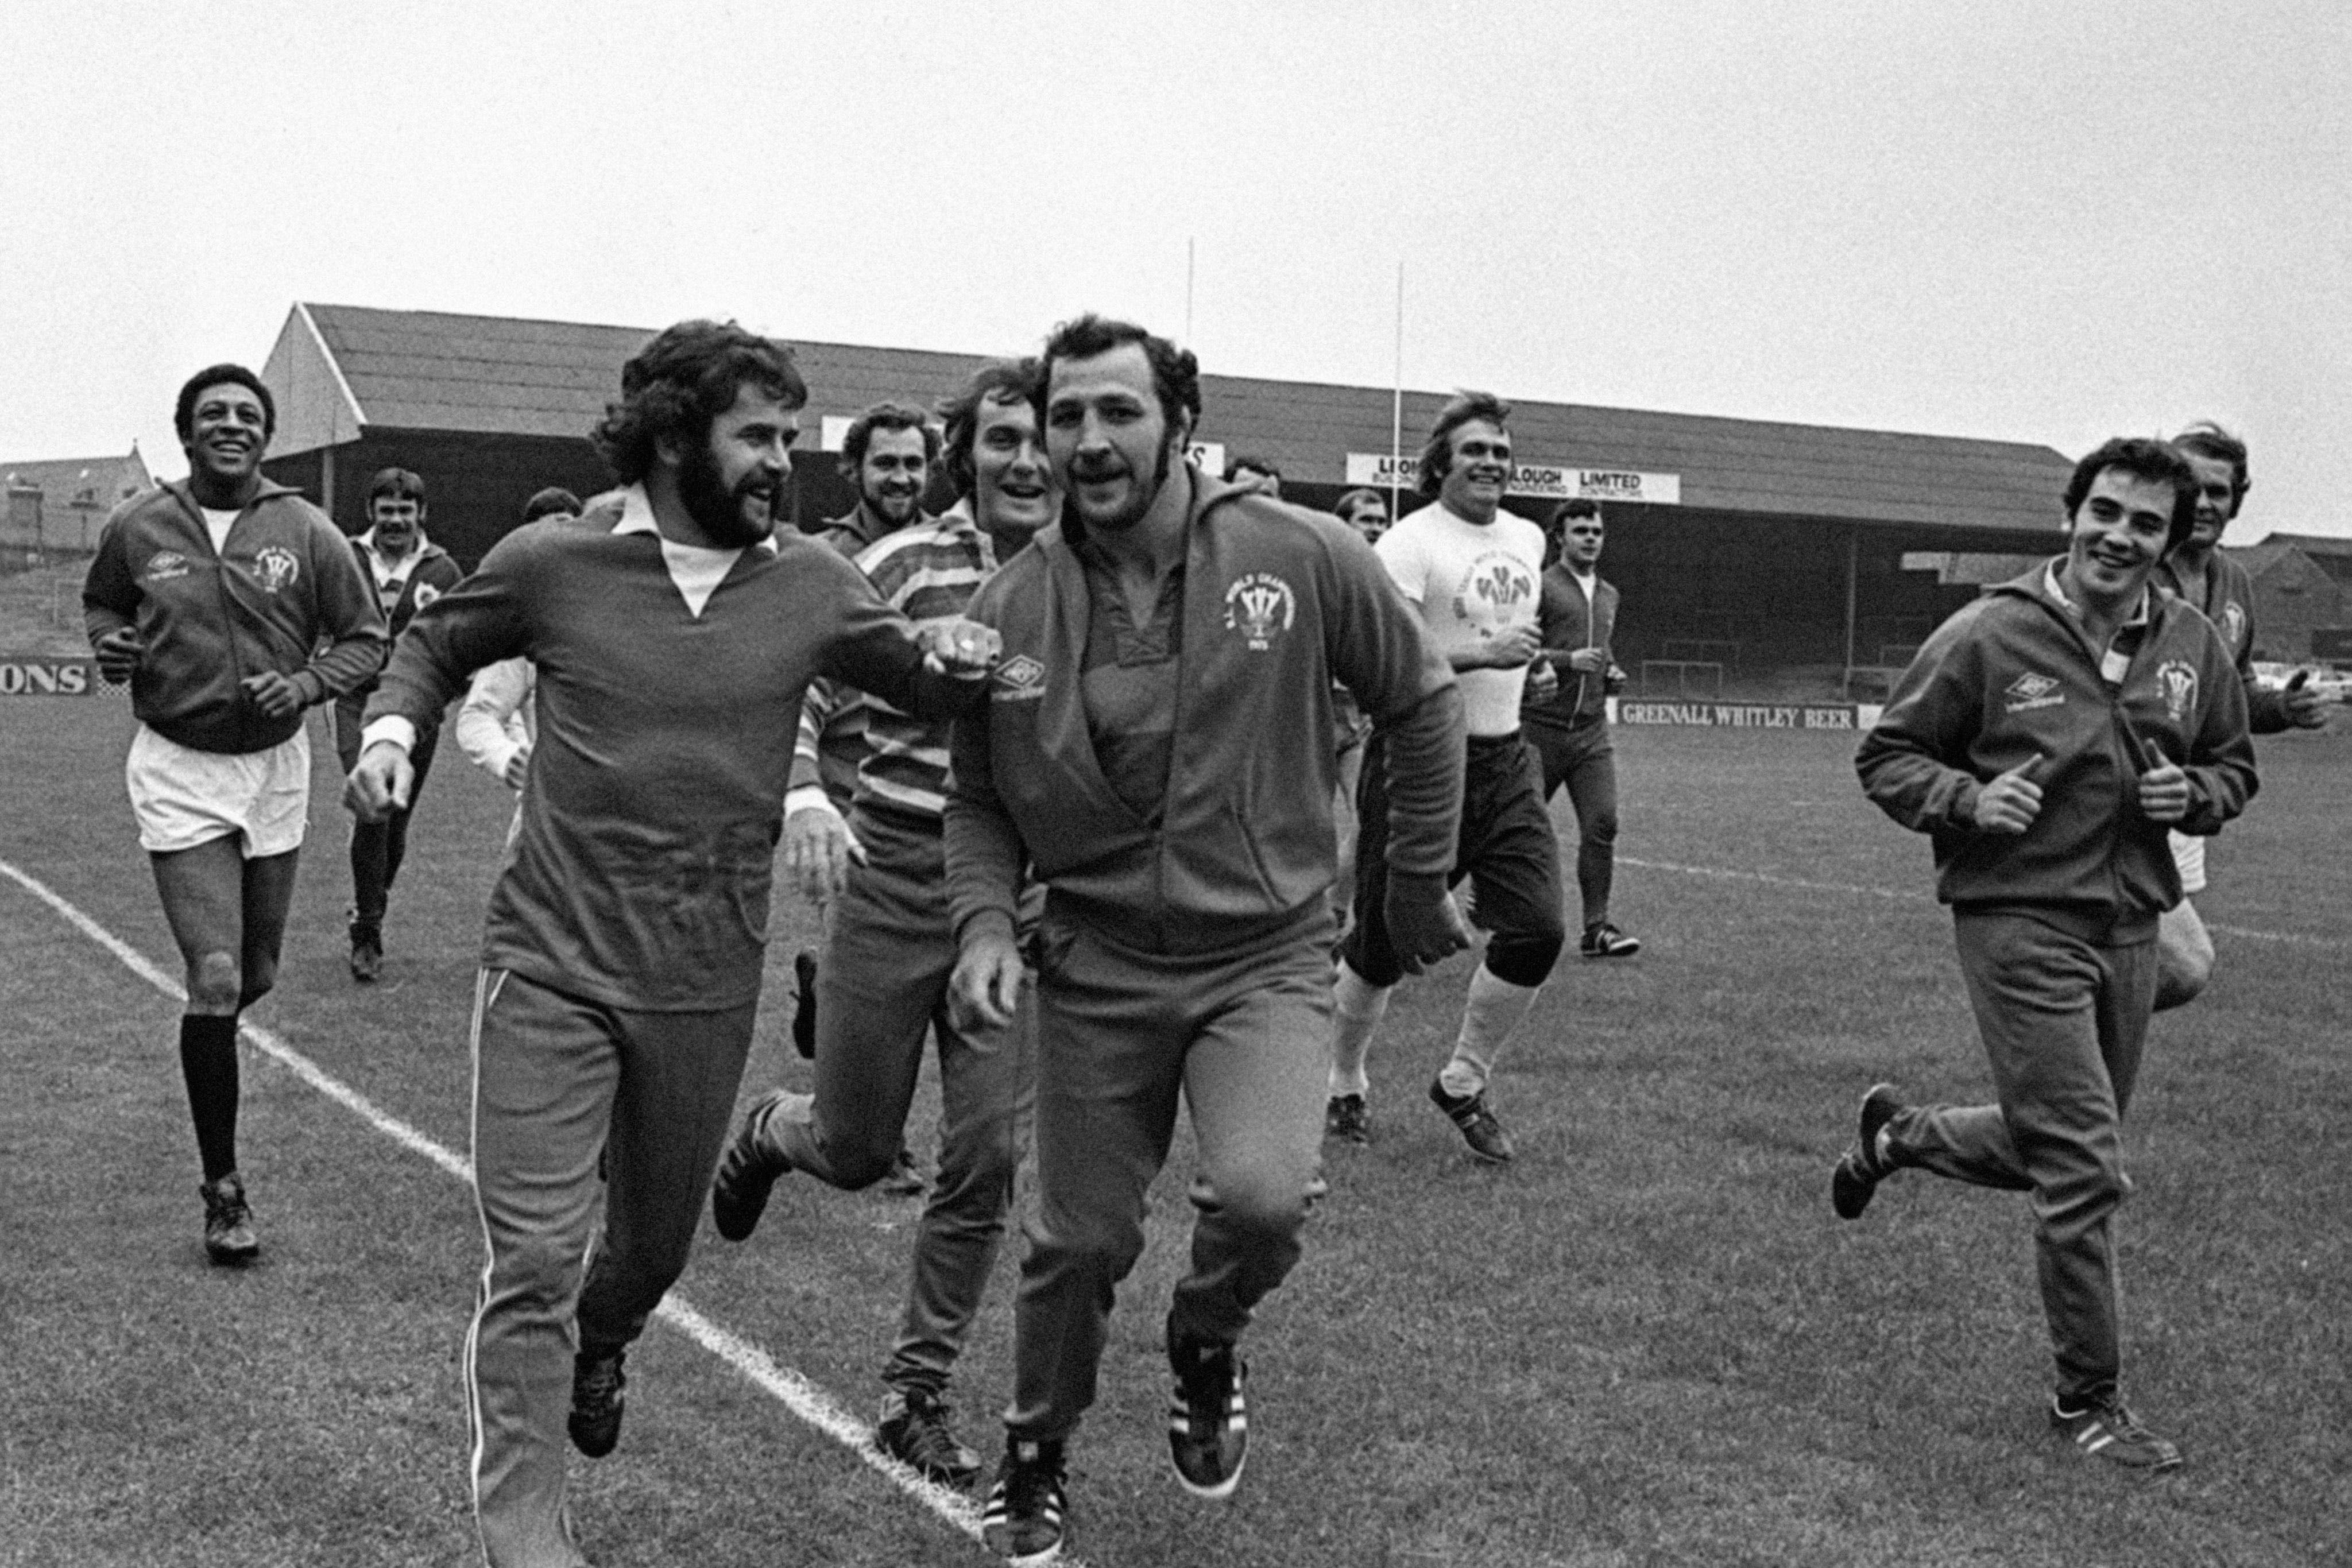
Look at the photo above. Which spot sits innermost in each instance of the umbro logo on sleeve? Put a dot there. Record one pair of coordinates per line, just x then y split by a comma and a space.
1019, 679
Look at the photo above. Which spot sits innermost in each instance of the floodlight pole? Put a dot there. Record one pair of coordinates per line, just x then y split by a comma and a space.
1396, 398
1188, 293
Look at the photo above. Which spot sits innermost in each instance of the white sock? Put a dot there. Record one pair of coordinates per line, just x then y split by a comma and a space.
1493, 1010
1358, 1008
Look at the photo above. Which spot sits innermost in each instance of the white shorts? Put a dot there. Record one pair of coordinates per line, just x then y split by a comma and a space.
184, 797
2189, 854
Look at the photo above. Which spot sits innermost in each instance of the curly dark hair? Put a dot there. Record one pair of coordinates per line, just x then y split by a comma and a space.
2142, 457
183, 412
687, 376
1175, 373
1437, 454
998, 382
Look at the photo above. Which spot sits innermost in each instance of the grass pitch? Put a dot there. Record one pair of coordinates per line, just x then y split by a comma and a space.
1646, 1343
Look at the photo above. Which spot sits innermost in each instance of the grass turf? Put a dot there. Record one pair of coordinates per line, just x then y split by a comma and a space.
1646, 1343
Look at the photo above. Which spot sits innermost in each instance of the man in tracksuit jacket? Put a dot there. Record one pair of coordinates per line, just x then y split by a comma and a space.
409, 571
231, 605
673, 633
2046, 738
2199, 574
1157, 745
1576, 611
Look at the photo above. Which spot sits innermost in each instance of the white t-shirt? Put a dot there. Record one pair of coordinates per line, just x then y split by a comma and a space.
217, 523
1470, 581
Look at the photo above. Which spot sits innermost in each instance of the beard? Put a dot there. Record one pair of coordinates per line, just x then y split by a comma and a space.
717, 508
896, 506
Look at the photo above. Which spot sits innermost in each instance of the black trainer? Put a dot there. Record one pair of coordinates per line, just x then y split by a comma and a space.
1860, 1170
1602, 940
2106, 1429
229, 1223
805, 1006
367, 952
914, 1430
1478, 1125
747, 1174
597, 1402
1208, 1417
1347, 1118
1022, 1520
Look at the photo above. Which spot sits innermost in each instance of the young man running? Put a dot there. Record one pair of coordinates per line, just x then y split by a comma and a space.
1182, 829
673, 633
2045, 738
409, 571
230, 604
890, 949
1470, 569
1568, 726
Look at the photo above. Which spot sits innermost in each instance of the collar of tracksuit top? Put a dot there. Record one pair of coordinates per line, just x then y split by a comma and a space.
2031, 682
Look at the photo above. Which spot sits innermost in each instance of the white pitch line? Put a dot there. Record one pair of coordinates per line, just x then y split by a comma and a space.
1723, 874
788, 1387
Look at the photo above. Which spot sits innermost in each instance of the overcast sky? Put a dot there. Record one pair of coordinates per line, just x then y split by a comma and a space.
2007, 218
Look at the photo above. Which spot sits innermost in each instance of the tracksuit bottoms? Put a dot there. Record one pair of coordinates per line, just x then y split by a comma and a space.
558, 1081
1242, 1032
890, 949
379, 848
1583, 756
2063, 1021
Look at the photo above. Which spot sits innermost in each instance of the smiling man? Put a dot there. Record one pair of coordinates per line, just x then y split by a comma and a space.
230, 604
2046, 738
2200, 574
673, 633
1470, 570
409, 571
888, 451
889, 946
1156, 745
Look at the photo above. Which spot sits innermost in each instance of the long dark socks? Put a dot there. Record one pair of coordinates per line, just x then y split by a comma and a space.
208, 1062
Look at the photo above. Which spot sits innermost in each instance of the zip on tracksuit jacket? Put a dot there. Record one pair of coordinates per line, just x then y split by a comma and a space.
283, 583
1277, 603
2228, 602
2013, 675
1567, 623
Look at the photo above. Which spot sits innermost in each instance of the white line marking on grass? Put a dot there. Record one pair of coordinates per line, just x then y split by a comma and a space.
1723, 874
788, 1387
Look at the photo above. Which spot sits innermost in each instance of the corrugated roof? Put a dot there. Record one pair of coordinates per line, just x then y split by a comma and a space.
432, 370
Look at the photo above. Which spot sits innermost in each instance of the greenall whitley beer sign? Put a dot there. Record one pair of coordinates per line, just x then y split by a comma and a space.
1543, 481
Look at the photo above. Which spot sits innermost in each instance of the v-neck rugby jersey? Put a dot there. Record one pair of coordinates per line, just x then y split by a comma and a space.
640, 874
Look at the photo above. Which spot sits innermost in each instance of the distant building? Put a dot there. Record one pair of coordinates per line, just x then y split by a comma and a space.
59, 503
2332, 552
2294, 596
1737, 543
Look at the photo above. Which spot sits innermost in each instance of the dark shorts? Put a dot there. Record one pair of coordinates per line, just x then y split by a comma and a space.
1506, 850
